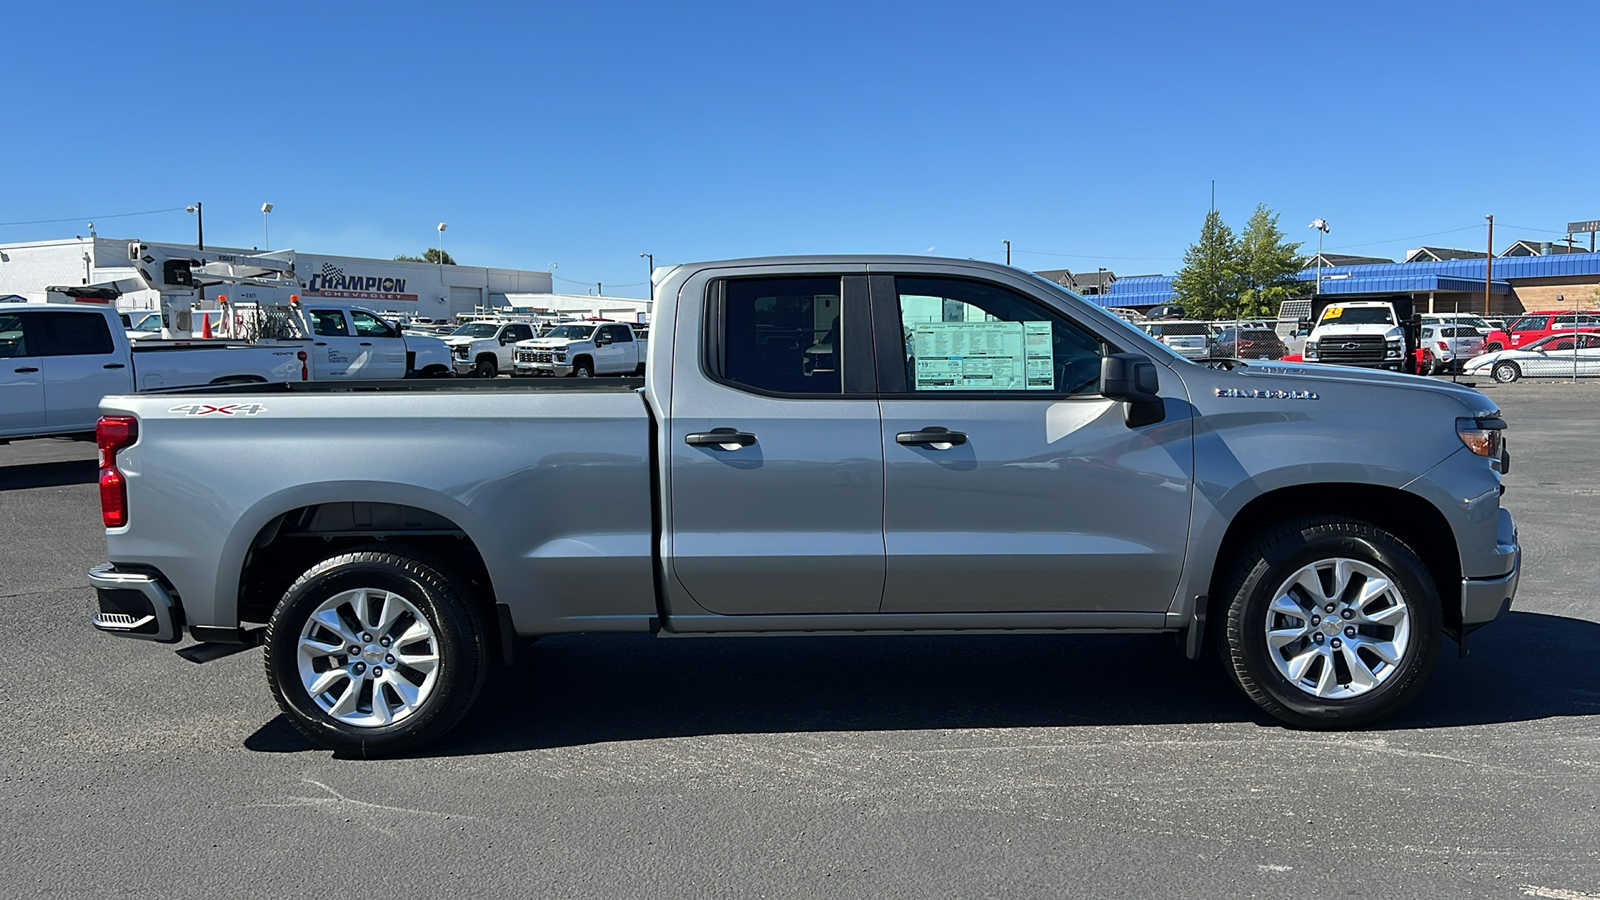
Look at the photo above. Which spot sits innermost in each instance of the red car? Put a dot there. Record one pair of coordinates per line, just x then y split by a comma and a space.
1532, 326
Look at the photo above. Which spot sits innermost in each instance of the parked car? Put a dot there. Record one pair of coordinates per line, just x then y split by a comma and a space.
1248, 343
484, 348
990, 453
1557, 356
1534, 326
1445, 347
1187, 338
583, 350
1469, 319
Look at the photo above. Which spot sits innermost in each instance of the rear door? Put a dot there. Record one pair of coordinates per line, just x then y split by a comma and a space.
333, 346
80, 364
1011, 484
776, 467
21, 375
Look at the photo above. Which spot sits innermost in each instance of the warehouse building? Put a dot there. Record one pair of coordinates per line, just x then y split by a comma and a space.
384, 285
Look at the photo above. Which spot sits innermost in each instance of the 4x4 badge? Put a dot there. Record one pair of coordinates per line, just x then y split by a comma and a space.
226, 409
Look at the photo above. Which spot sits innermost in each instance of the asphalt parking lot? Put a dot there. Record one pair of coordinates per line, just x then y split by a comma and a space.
620, 766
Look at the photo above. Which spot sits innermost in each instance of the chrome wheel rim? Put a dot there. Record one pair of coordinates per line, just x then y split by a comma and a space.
368, 657
581, 372
1338, 628
1504, 373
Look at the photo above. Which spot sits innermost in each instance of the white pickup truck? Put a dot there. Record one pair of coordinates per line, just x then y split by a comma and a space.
57, 360
583, 350
486, 348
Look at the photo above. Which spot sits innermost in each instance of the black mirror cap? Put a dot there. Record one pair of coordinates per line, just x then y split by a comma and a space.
1131, 377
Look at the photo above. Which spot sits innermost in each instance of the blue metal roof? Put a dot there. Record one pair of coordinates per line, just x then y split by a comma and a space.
1406, 284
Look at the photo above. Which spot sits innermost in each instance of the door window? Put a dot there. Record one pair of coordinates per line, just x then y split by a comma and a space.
1528, 323
971, 336
328, 323
13, 340
619, 334
368, 325
516, 333
73, 334
780, 335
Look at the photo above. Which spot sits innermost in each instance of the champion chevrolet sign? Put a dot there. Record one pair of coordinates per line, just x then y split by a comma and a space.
332, 281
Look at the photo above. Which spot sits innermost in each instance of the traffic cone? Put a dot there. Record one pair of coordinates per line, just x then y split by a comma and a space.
205, 326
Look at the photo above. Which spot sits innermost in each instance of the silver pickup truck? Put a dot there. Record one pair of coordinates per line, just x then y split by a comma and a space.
820, 445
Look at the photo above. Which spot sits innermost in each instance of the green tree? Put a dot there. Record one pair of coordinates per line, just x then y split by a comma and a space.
430, 255
1210, 278
1268, 265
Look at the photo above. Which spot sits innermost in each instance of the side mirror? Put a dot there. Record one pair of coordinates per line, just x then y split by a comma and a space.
602, 340
1131, 377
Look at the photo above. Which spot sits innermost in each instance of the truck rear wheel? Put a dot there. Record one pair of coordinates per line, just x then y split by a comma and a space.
375, 652
1331, 623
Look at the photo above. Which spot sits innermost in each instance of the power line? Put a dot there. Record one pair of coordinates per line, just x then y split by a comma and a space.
1409, 238
148, 212
1095, 256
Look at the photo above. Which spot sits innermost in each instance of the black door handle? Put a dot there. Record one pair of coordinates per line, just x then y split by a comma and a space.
322, 343
366, 343
27, 369
113, 366
720, 438
933, 434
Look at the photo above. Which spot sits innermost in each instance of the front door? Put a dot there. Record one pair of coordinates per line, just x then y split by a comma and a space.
1011, 485
381, 351
776, 470
80, 365
21, 375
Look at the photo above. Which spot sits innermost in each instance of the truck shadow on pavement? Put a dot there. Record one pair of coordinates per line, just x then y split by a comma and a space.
49, 474
578, 690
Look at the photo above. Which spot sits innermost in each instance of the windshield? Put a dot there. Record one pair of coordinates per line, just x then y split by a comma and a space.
1134, 337
571, 332
477, 330
1357, 315
145, 322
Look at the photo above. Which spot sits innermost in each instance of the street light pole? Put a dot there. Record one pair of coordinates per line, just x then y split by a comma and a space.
199, 223
649, 282
442, 227
1008, 251
1321, 225
266, 234
1488, 266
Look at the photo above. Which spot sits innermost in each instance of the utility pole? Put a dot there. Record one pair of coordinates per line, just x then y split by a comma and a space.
649, 282
1008, 251
1488, 268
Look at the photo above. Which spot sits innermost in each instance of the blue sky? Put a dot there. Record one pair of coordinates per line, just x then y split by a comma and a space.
585, 133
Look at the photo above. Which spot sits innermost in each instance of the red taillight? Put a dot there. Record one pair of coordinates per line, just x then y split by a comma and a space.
112, 433
1443, 345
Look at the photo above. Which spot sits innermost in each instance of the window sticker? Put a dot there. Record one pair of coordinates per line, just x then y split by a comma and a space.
1333, 312
983, 356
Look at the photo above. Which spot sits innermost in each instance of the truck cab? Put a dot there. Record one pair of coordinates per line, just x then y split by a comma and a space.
350, 343
484, 348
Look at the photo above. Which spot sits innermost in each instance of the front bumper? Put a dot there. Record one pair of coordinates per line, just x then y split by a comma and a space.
135, 605
558, 369
1484, 599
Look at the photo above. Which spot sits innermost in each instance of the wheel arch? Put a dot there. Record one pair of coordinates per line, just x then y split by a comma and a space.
288, 532
1411, 518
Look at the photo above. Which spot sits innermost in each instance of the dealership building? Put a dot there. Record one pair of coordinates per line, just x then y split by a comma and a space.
1527, 277
383, 285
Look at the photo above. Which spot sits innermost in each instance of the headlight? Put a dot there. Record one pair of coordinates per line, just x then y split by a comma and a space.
1394, 348
561, 356
1310, 352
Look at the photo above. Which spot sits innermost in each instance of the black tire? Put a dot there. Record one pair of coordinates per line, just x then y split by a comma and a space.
1505, 372
583, 368
458, 640
436, 372
487, 367
1276, 556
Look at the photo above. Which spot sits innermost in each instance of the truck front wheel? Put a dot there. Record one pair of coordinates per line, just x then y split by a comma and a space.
374, 652
1331, 623
487, 367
